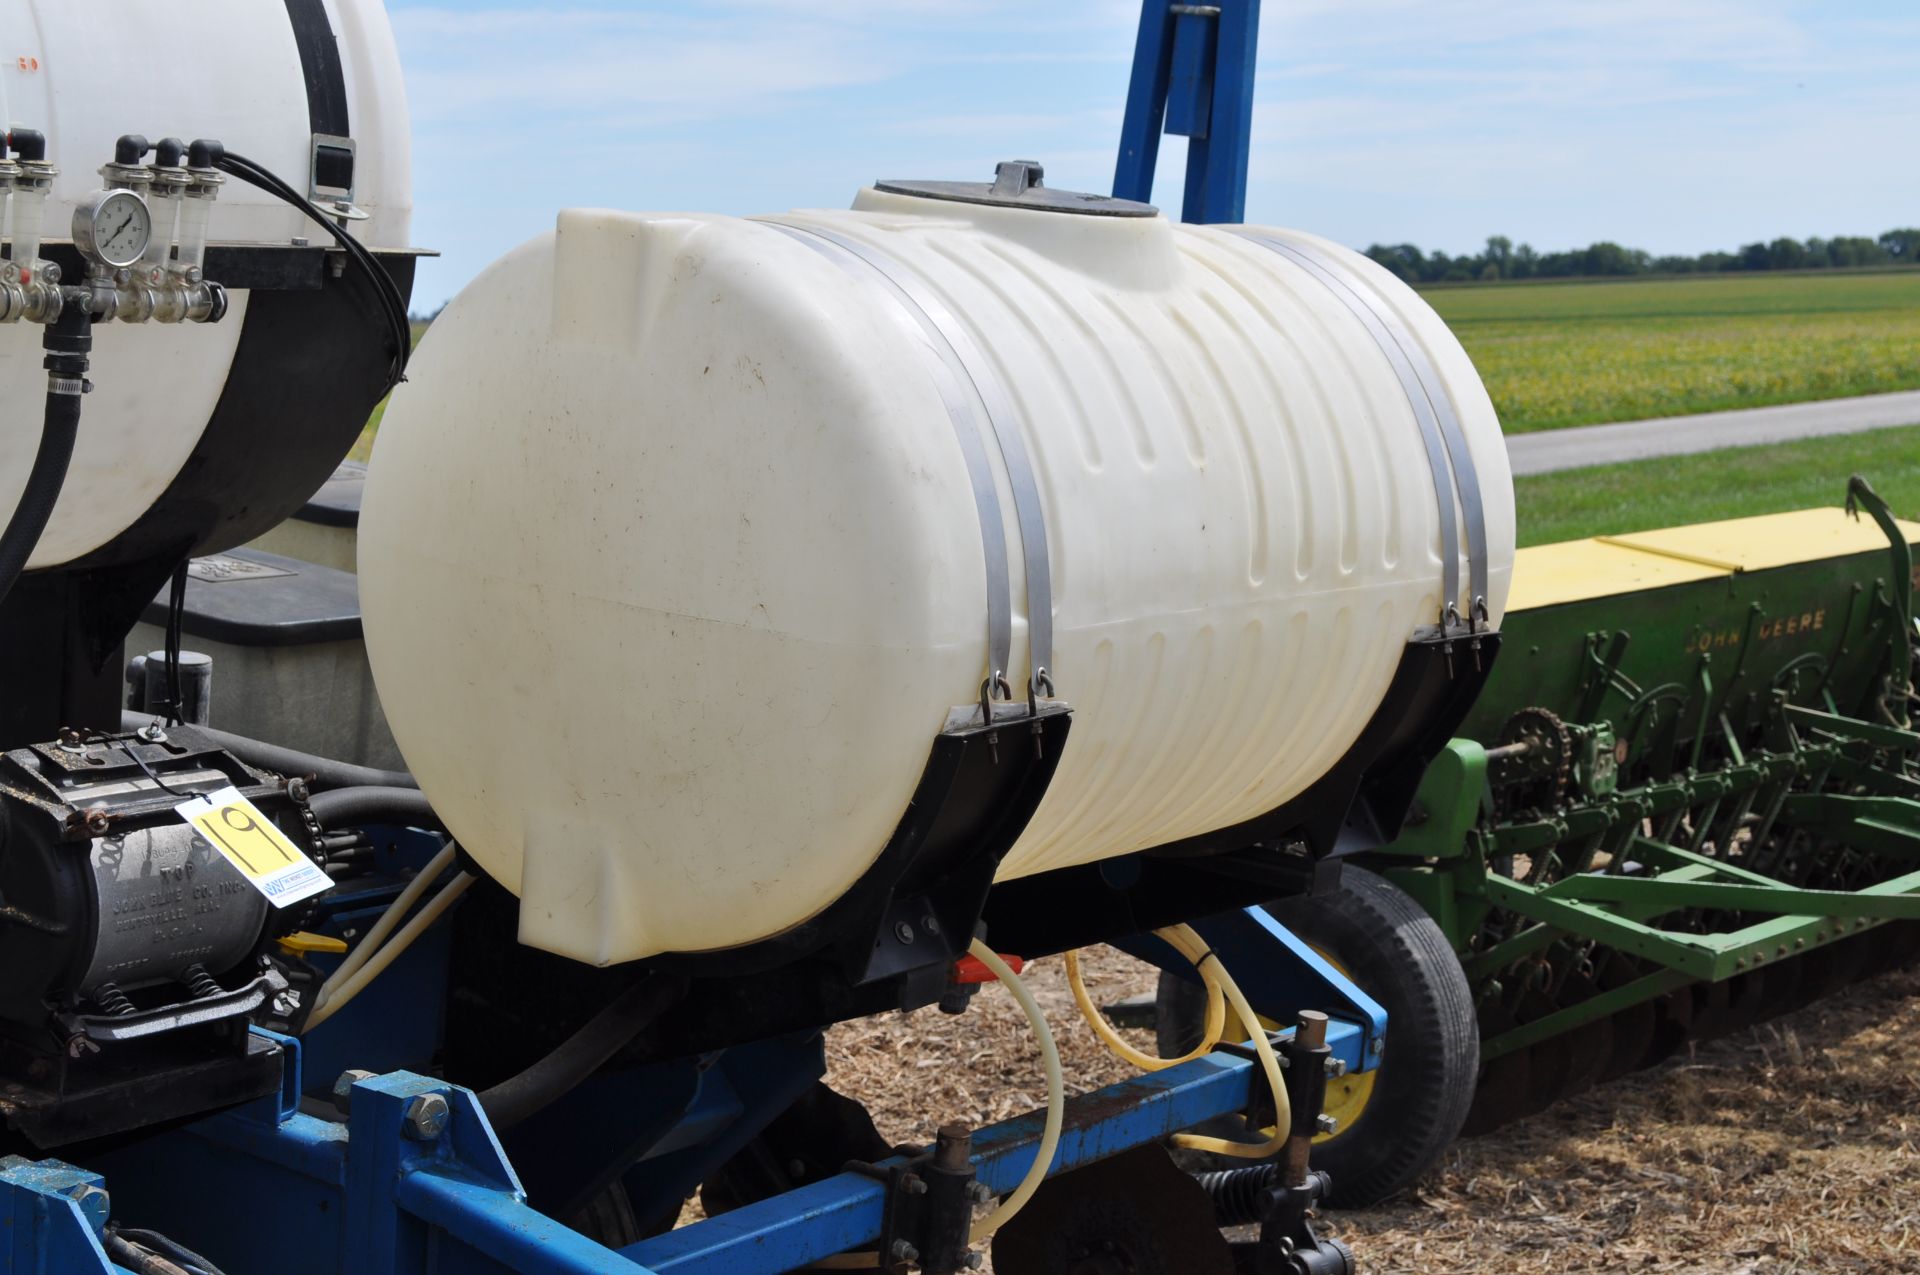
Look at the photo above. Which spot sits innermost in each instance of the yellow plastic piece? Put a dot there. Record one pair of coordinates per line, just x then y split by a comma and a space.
1606, 566
301, 941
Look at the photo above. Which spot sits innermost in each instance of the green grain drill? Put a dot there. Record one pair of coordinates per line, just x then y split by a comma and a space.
1688, 798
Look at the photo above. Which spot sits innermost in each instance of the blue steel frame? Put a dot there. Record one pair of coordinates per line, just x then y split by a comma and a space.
363, 1198
1193, 77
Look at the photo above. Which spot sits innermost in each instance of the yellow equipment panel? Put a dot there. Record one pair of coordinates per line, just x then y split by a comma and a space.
1577, 570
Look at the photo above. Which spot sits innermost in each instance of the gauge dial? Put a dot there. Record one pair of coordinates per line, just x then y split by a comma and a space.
113, 226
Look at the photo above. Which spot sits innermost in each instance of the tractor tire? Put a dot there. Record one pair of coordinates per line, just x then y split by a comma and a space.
1420, 1093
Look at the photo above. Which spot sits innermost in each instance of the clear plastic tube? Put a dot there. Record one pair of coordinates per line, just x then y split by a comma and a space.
194, 213
166, 221
29, 219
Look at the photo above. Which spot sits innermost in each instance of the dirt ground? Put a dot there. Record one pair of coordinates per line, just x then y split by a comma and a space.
1789, 1148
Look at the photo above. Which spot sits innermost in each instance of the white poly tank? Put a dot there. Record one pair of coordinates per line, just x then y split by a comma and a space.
256, 75
673, 561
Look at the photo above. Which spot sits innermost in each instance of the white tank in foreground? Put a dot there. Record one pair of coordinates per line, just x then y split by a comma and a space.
673, 563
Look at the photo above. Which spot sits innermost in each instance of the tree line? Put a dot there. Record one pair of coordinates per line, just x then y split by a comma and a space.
1503, 259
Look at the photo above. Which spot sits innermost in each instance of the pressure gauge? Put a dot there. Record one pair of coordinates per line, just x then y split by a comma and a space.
113, 226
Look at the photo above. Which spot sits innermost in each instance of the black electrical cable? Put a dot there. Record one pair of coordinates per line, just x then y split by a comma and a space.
392, 304
322, 773
583, 1053
357, 807
386, 292
389, 294
42, 492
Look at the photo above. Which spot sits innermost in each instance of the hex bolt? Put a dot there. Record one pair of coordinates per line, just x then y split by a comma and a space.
1336, 1067
903, 932
975, 1261
930, 923
343, 1089
427, 1117
980, 1192
1326, 1124
904, 1252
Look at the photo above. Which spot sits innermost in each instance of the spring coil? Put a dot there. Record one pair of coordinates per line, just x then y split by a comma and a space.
1236, 1192
112, 1000
201, 983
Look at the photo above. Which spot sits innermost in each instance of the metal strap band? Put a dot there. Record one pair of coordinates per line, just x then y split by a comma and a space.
1446, 442
956, 349
320, 63
949, 378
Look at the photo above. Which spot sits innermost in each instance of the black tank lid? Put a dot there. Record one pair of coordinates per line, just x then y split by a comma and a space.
1017, 184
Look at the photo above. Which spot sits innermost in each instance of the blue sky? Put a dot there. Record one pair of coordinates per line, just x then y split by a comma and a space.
1672, 125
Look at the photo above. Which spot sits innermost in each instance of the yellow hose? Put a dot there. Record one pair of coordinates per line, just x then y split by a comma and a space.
1219, 984
1216, 1021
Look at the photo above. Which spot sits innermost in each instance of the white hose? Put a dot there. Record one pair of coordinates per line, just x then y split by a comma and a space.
1049, 1133
1056, 1097
379, 961
396, 911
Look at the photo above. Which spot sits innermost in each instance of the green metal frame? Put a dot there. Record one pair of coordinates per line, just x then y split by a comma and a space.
1736, 744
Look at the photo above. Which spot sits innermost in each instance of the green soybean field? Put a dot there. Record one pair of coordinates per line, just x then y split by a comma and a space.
1584, 352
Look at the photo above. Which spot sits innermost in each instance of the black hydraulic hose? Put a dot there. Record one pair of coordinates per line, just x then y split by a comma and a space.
141, 1260
68, 341
321, 773
583, 1053
48, 476
351, 807
171, 1249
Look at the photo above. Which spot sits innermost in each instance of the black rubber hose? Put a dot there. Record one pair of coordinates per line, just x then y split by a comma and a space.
322, 773
352, 807
583, 1053
141, 1260
169, 1248
42, 492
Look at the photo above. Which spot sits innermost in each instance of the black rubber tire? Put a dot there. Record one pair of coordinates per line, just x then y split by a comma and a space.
1396, 953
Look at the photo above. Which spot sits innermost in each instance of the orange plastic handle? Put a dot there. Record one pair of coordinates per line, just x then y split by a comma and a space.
969, 969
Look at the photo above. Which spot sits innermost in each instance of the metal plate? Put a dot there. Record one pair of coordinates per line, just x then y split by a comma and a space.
220, 568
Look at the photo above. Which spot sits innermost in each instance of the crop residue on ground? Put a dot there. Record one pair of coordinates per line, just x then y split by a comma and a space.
1787, 1149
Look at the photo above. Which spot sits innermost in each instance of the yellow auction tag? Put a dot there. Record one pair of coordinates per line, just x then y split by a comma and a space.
249, 841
